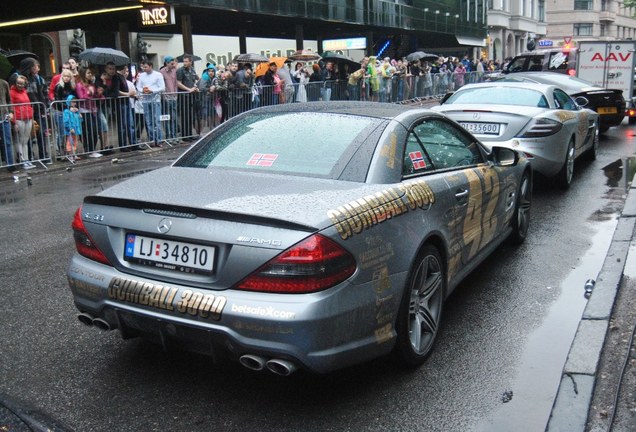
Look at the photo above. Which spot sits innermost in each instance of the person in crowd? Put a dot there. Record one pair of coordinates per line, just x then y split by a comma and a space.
186, 82
64, 88
23, 117
287, 84
92, 118
111, 85
414, 72
374, 79
74, 66
354, 83
150, 86
328, 78
87, 93
458, 75
427, 79
56, 79
301, 76
206, 93
36, 89
72, 127
271, 83
244, 83
399, 77
6, 120
169, 73
222, 92
386, 72
126, 118
314, 87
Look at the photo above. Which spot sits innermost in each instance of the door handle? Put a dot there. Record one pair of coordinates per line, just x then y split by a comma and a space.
461, 194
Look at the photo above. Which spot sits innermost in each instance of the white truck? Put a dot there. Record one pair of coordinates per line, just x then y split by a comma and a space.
610, 64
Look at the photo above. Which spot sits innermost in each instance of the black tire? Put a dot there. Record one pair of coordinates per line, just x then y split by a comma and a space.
420, 311
631, 120
521, 218
603, 129
564, 177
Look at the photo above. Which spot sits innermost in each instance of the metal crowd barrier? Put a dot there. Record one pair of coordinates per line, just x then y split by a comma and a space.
126, 124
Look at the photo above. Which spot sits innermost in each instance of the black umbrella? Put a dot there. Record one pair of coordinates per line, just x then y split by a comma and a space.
16, 56
102, 56
251, 58
179, 59
335, 57
421, 55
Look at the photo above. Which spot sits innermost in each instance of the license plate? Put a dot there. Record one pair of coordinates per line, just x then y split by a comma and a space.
607, 110
481, 128
169, 254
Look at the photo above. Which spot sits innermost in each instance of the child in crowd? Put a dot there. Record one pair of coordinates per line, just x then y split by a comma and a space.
72, 127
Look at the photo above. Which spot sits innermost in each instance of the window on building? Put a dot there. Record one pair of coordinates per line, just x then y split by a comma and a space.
603, 29
541, 11
603, 5
583, 29
583, 4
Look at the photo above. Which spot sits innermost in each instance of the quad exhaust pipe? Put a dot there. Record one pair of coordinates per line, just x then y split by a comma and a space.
276, 366
90, 320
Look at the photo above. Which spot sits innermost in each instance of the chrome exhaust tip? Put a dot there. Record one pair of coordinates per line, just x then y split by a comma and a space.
281, 367
252, 362
85, 318
101, 324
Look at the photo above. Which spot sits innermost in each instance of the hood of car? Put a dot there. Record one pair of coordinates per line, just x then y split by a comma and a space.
301, 200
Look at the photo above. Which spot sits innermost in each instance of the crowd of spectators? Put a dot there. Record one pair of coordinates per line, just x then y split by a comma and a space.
82, 103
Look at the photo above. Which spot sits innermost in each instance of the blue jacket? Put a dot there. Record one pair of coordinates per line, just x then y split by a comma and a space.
72, 120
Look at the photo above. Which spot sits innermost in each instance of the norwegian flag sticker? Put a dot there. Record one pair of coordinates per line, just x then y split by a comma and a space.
262, 159
417, 159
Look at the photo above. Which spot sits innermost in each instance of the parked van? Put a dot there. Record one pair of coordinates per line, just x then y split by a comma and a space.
562, 60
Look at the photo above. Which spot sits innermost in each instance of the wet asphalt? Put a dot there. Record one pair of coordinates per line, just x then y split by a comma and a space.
499, 364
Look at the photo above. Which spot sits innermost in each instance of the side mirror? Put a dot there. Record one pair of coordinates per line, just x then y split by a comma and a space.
503, 156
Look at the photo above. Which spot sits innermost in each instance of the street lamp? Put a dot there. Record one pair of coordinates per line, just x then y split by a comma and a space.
425, 12
456, 17
446, 22
436, 13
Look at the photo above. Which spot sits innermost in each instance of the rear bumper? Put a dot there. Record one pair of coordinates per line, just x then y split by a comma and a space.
320, 332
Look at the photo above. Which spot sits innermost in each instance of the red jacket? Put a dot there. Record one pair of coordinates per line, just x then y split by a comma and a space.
21, 112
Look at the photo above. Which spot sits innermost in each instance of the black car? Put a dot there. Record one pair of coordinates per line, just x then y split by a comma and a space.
608, 103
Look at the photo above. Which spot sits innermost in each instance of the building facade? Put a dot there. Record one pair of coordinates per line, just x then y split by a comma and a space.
590, 20
511, 24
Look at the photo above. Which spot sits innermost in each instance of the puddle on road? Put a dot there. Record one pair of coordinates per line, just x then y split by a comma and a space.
546, 351
619, 174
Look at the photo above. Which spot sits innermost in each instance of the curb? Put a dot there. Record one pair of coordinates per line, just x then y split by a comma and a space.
572, 403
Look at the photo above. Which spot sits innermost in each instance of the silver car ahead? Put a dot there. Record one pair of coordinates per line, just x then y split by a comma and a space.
540, 120
310, 236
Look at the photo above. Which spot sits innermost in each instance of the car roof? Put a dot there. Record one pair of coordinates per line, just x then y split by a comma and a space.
366, 109
544, 51
517, 84
560, 80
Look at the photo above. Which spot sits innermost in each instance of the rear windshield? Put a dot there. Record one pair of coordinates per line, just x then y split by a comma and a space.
313, 144
498, 96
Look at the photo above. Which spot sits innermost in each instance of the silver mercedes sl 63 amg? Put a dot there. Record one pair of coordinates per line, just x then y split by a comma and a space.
312, 236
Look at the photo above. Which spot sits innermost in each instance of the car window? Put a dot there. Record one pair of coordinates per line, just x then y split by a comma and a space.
563, 101
558, 61
293, 143
442, 145
498, 95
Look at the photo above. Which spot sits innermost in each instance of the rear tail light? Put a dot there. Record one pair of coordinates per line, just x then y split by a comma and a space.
83, 241
571, 72
631, 112
541, 128
315, 264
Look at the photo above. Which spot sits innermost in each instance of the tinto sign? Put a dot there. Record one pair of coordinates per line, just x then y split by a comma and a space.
156, 16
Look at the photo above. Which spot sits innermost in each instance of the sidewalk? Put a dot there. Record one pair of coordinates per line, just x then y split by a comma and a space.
598, 384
